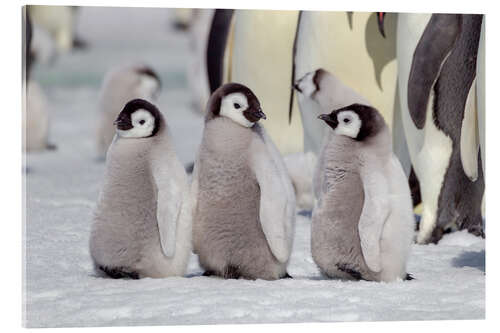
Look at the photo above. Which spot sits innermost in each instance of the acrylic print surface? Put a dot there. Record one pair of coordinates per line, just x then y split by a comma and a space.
196, 166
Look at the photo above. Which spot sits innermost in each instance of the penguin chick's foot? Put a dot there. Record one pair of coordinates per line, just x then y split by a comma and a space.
352, 272
208, 273
119, 273
232, 272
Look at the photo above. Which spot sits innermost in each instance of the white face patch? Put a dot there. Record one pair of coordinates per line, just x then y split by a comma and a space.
232, 107
306, 84
349, 124
148, 87
144, 125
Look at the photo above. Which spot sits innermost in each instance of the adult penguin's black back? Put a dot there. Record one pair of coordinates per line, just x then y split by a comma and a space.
28, 33
460, 197
216, 46
459, 194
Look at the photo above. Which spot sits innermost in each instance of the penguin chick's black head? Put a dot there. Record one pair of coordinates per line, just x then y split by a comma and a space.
236, 102
138, 119
149, 72
356, 121
310, 83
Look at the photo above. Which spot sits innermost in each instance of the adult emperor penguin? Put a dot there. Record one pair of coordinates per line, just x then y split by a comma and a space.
437, 73
120, 85
362, 225
142, 221
244, 205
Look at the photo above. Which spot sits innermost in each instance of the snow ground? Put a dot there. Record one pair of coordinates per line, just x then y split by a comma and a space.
61, 288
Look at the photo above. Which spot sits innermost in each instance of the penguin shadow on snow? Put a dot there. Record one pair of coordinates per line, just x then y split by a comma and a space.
305, 213
208, 274
475, 259
322, 277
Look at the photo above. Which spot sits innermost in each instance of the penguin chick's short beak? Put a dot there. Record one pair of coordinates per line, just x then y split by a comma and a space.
122, 124
296, 87
260, 114
254, 115
332, 122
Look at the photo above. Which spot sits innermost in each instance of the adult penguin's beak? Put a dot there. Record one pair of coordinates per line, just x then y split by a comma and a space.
380, 20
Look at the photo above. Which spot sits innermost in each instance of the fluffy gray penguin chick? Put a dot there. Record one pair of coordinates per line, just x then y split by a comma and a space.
142, 221
362, 225
244, 203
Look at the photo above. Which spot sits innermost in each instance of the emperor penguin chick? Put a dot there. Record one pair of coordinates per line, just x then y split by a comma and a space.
120, 85
362, 225
141, 225
244, 204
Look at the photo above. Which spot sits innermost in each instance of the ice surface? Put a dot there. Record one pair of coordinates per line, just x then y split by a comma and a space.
62, 187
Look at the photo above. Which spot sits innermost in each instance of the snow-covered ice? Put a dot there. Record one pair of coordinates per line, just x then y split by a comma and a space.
61, 288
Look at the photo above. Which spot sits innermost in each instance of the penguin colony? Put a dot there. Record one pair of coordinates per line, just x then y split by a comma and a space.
363, 128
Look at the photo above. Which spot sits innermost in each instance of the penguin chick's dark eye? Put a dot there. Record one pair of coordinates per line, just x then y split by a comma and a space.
236, 106
347, 120
142, 121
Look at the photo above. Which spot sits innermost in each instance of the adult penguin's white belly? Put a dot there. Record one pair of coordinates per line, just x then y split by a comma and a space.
58, 21
261, 58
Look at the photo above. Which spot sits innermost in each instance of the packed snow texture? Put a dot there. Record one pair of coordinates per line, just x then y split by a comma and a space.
61, 288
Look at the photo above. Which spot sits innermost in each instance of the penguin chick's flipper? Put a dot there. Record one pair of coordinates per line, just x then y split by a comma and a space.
371, 225
277, 201
170, 202
409, 277
119, 273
